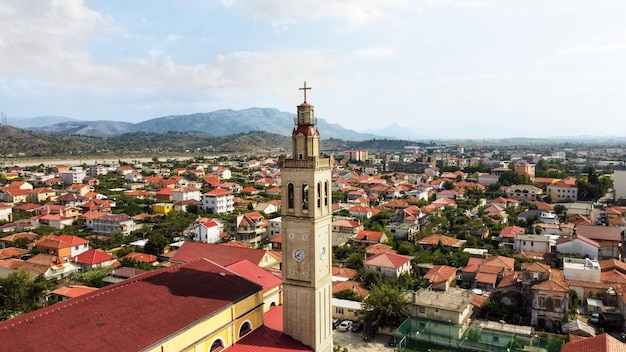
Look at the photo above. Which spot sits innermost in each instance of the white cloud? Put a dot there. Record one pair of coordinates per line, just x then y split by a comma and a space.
354, 11
377, 53
591, 49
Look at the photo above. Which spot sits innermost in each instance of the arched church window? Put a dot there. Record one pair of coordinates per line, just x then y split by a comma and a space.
244, 329
318, 195
305, 196
290, 196
326, 193
217, 345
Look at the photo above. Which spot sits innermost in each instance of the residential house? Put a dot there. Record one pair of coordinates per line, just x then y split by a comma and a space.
365, 238
206, 230
344, 309
75, 175
452, 307
564, 190
578, 244
524, 193
186, 193
94, 258
274, 227
441, 277
600, 343
162, 208
505, 203
42, 194
140, 257
609, 238
362, 212
378, 248
77, 245
97, 205
224, 255
390, 265
64, 293
106, 224
507, 235
71, 199
250, 228
532, 243
584, 269
549, 301
50, 266
446, 241
344, 230
6, 213
218, 201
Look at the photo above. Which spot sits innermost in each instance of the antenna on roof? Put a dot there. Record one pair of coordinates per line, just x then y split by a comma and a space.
3, 118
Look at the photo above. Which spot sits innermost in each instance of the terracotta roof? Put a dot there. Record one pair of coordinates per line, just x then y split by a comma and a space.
556, 283
344, 272
370, 236
509, 279
387, 260
478, 301
113, 317
218, 192
141, 257
504, 262
600, 343
256, 274
599, 233
511, 231
93, 257
12, 252
222, 255
270, 338
486, 278
440, 274
577, 237
435, 239
377, 248
72, 291
357, 287
536, 267
72, 240
610, 264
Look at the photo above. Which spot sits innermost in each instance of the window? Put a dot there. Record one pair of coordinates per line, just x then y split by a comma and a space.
217, 345
557, 304
305, 196
290, 196
422, 309
244, 329
326, 193
339, 310
495, 339
318, 196
542, 302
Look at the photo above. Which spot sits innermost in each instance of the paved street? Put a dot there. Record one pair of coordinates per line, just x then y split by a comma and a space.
355, 343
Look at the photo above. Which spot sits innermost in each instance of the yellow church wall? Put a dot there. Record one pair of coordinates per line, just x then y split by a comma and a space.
224, 325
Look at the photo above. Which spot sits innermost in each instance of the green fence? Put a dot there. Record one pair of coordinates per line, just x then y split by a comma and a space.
415, 333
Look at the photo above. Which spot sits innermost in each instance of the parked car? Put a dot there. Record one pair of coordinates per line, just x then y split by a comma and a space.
356, 327
336, 323
345, 325
595, 318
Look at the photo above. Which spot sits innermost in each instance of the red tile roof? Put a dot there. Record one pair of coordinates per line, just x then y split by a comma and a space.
222, 255
93, 257
387, 260
141, 257
440, 274
113, 318
72, 291
433, 240
357, 287
270, 338
256, 274
600, 343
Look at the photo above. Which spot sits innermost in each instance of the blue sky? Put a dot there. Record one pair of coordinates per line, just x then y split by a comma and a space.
441, 68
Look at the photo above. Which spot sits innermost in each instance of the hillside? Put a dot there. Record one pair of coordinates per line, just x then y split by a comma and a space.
218, 123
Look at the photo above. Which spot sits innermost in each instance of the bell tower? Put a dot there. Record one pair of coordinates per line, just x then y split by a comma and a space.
306, 230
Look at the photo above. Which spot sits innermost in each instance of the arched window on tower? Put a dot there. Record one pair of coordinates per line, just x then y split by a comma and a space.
318, 195
290, 196
326, 193
217, 345
305, 196
244, 329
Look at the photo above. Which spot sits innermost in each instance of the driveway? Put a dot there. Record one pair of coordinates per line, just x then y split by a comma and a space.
354, 342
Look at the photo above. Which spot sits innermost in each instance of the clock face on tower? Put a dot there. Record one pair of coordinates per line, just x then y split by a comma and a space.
298, 255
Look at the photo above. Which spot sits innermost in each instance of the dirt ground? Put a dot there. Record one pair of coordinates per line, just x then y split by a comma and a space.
354, 342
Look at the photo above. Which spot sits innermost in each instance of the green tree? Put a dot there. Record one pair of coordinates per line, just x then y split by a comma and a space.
372, 278
355, 261
18, 292
385, 307
573, 304
156, 244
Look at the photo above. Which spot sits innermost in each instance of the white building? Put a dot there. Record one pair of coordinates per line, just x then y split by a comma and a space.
218, 201
532, 243
75, 175
206, 230
186, 193
581, 269
274, 226
578, 244
619, 184
388, 264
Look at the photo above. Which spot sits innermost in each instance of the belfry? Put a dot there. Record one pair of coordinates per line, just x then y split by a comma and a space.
306, 234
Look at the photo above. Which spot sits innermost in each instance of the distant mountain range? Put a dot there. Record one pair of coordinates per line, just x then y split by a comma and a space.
217, 123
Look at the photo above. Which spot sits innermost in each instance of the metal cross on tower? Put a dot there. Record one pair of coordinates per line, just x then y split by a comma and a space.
305, 89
